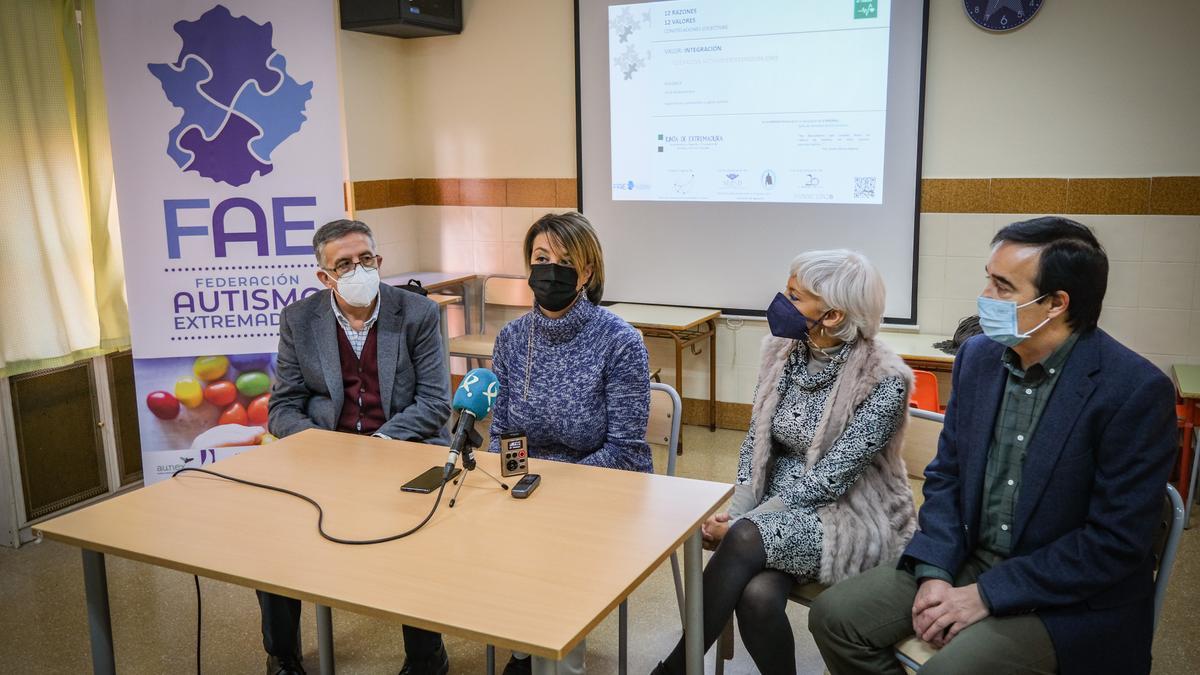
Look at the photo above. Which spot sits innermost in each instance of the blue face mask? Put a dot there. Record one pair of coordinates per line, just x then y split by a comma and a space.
785, 320
998, 319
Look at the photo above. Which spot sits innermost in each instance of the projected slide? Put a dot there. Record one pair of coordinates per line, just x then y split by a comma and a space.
764, 101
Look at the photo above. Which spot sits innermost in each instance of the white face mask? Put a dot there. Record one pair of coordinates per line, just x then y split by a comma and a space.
359, 287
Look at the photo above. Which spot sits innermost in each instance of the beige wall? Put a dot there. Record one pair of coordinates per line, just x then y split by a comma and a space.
376, 114
1089, 88
498, 100
377, 101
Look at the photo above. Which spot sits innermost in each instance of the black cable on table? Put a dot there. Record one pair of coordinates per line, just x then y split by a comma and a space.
320, 511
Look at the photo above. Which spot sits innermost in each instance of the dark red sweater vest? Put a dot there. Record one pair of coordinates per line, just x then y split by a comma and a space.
362, 406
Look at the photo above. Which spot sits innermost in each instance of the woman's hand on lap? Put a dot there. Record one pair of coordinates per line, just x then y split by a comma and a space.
713, 530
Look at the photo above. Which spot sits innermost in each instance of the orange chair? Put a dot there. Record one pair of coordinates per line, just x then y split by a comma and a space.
925, 392
1181, 476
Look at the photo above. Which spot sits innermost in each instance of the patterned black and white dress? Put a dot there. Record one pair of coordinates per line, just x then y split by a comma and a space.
787, 514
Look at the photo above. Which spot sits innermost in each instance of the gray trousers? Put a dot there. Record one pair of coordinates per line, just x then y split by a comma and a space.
856, 623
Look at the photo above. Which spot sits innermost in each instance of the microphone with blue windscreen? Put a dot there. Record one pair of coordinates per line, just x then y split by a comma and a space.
473, 400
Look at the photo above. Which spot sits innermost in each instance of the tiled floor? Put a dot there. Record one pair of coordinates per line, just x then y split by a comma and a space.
43, 628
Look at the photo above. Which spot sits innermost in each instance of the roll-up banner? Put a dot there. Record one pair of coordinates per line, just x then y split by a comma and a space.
228, 154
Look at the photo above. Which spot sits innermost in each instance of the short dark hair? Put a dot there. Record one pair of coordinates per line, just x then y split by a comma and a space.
1072, 260
336, 229
575, 234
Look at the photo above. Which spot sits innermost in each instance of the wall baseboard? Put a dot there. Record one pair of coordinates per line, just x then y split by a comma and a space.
1150, 195
394, 192
734, 416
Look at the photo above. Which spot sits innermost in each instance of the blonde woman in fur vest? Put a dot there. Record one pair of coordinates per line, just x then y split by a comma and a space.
821, 488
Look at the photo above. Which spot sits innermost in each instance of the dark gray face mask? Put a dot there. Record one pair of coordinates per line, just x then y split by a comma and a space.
554, 286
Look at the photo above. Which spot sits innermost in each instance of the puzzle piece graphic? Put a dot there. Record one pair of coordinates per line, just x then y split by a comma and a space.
235, 49
225, 157
238, 101
182, 90
279, 113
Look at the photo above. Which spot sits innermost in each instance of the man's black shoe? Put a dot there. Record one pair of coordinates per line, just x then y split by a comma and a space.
288, 665
438, 664
517, 666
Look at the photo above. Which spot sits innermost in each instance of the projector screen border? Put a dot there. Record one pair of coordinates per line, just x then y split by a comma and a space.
734, 312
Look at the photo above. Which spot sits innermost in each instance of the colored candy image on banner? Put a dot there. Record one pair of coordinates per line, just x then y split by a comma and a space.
201, 408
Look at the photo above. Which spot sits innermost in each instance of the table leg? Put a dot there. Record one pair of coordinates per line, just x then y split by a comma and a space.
623, 638
325, 639
95, 587
678, 379
444, 312
678, 366
712, 376
490, 669
693, 629
468, 299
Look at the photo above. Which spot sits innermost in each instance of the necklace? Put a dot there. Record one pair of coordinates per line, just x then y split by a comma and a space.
528, 362
813, 346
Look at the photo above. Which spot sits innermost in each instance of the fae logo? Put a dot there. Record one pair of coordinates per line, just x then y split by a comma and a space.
238, 101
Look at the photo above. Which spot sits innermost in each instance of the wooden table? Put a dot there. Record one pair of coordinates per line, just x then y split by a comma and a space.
681, 325
918, 351
436, 282
1187, 386
533, 575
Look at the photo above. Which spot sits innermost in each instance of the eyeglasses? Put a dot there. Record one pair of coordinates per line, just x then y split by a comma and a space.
345, 267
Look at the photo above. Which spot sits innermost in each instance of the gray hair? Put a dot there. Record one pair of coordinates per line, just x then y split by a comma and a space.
336, 229
848, 282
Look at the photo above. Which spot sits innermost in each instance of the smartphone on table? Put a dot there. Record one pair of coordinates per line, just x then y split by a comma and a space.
428, 481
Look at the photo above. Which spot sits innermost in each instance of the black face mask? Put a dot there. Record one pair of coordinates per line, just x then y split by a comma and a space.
554, 286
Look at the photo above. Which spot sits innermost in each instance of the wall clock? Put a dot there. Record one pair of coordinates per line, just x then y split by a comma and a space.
1001, 15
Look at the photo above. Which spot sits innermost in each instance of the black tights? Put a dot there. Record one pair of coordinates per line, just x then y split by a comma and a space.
737, 578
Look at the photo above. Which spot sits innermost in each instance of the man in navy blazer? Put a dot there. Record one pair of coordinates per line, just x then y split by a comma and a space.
359, 358
1034, 547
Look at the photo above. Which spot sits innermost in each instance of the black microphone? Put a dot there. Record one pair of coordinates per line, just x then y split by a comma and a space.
473, 400
466, 439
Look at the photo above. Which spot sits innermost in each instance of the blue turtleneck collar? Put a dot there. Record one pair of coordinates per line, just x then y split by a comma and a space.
567, 326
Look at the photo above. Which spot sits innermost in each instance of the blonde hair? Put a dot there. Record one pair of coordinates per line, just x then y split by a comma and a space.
577, 238
848, 282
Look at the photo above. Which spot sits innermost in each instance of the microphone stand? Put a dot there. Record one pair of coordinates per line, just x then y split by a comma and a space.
468, 460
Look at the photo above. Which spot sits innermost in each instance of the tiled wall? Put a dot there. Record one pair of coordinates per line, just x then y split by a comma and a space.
396, 237
481, 239
1152, 304
1153, 300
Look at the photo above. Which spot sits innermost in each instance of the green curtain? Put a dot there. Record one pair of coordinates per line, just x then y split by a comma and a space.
62, 289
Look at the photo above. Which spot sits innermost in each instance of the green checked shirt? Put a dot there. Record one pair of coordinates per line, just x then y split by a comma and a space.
1026, 392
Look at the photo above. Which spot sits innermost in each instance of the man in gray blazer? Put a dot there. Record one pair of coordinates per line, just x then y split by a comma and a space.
358, 358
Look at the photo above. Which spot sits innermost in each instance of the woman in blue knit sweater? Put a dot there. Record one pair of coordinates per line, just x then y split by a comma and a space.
574, 377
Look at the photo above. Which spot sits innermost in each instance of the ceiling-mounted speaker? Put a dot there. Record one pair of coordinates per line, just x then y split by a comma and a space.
403, 18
